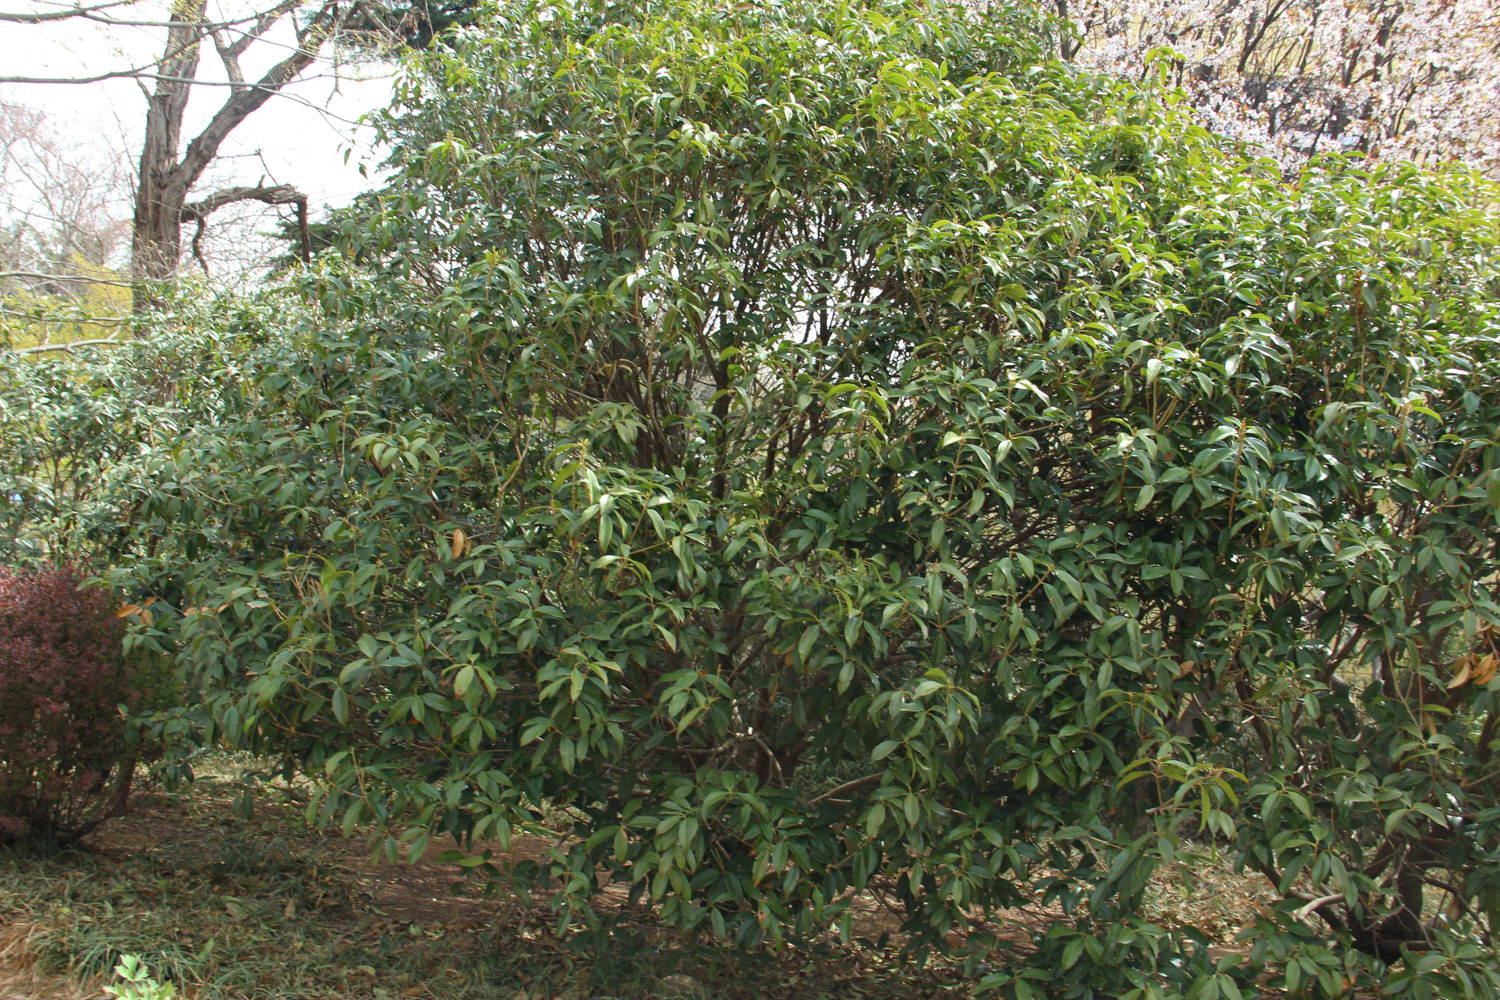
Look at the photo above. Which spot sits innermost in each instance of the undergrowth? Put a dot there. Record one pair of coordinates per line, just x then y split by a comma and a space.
228, 906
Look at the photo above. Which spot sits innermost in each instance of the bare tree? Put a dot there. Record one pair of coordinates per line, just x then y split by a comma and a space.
168, 170
60, 205
172, 164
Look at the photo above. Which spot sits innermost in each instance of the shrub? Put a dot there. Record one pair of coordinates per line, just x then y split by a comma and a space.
833, 447
65, 762
74, 426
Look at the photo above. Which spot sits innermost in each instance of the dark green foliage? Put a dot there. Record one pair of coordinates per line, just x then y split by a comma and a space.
830, 445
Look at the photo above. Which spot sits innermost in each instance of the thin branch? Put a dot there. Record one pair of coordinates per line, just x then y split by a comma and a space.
59, 15
81, 278
65, 320
1317, 904
263, 23
849, 786
45, 348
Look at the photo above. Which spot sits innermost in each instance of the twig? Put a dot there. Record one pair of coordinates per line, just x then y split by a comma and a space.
1317, 904
849, 786
44, 348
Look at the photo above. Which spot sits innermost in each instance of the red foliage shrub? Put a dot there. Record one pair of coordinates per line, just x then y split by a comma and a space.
64, 761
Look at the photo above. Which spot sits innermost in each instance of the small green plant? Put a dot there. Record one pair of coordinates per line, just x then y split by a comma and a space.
136, 982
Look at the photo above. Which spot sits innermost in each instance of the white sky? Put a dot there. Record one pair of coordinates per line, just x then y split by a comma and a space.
298, 138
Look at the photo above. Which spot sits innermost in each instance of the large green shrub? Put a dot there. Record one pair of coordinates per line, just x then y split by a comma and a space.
834, 447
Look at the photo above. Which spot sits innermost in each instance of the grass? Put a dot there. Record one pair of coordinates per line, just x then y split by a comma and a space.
230, 907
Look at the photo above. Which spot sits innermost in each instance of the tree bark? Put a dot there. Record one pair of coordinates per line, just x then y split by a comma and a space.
156, 237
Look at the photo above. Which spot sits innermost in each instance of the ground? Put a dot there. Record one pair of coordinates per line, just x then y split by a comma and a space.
259, 907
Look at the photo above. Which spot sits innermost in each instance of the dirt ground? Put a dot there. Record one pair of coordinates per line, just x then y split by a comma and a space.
435, 914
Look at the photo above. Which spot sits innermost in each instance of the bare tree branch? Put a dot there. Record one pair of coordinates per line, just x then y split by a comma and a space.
71, 346
279, 194
87, 279
244, 101
230, 52
59, 15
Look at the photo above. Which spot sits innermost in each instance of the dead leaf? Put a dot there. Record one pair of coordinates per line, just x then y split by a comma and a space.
460, 542
1464, 664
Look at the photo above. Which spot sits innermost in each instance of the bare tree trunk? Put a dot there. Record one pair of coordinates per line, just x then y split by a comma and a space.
156, 238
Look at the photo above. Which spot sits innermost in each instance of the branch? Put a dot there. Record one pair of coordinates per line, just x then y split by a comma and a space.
198, 246
230, 52
44, 348
1317, 904
280, 194
139, 73
244, 100
849, 786
59, 15
229, 58
262, 24
84, 279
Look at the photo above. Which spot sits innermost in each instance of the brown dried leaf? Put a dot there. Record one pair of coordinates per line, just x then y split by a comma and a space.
1464, 663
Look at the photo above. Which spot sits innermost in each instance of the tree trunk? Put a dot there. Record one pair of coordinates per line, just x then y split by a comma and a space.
156, 237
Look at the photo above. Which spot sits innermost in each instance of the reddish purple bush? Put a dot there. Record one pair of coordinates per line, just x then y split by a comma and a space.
64, 762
